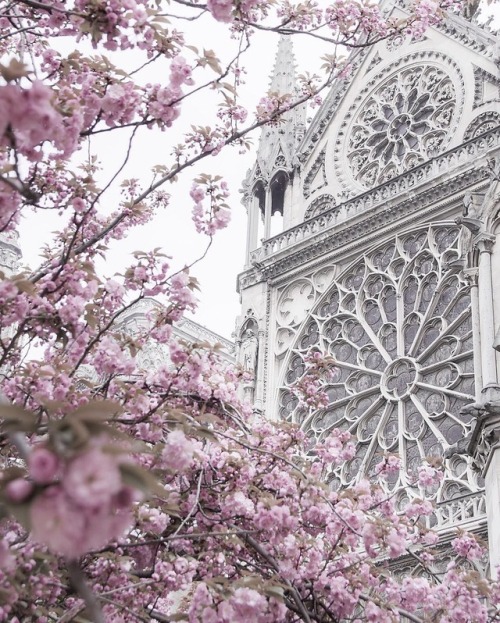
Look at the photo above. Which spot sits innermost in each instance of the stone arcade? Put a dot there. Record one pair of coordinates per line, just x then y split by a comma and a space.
388, 260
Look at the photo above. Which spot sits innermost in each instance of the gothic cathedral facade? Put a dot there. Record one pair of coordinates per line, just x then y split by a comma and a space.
373, 238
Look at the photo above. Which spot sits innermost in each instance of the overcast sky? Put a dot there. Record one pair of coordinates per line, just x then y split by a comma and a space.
174, 230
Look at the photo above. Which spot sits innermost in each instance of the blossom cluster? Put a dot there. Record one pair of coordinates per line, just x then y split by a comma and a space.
216, 214
76, 505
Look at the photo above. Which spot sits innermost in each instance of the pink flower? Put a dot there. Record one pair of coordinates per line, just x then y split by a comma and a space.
197, 193
180, 72
178, 452
429, 476
71, 530
246, 605
466, 545
43, 465
92, 478
396, 543
221, 9
18, 490
58, 523
390, 464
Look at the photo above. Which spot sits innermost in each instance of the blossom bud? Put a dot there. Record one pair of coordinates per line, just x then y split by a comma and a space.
18, 490
43, 465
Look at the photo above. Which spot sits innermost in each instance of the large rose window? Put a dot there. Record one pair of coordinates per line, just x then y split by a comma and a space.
403, 123
398, 324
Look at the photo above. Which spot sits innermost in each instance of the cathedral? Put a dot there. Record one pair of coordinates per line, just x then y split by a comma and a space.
372, 238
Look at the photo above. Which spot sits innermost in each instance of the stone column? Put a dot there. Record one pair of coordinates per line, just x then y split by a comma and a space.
268, 213
484, 244
485, 450
261, 371
471, 277
492, 489
252, 225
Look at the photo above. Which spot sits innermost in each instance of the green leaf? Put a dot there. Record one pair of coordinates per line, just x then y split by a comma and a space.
275, 591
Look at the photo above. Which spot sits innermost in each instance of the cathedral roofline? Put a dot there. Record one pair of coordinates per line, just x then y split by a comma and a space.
349, 221
479, 38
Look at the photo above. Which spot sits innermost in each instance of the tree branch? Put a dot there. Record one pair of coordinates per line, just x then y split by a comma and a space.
79, 583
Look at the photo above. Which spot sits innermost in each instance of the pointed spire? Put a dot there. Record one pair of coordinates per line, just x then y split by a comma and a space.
278, 143
283, 78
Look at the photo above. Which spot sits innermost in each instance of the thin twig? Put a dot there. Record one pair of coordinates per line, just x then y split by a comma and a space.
401, 611
195, 504
293, 591
79, 583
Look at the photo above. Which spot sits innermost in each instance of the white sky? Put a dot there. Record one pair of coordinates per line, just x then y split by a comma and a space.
173, 230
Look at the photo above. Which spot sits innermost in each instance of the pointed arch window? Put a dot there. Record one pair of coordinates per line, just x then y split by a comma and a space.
278, 187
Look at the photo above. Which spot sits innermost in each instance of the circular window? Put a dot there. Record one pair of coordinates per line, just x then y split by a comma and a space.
398, 326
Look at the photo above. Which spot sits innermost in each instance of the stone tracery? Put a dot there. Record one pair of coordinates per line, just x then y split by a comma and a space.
398, 324
404, 122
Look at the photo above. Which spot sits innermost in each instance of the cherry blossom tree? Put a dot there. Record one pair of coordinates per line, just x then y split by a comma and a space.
133, 494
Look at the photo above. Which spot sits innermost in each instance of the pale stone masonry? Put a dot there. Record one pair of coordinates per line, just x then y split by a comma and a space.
388, 260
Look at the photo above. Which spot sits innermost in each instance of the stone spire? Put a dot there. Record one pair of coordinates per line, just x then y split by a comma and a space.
268, 185
278, 143
283, 78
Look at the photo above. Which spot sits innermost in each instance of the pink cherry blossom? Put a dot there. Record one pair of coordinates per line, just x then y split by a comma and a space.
221, 9
58, 523
43, 465
92, 478
179, 451
18, 490
135, 462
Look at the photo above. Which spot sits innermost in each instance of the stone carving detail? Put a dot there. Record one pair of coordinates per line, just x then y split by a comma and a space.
484, 122
375, 61
294, 303
280, 161
248, 353
486, 87
404, 122
398, 324
10, 252
316, 177
325, 233
444, 555
248, 349
319, 205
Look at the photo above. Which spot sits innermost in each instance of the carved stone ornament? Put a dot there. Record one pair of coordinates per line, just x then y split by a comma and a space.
295, 301
316, 177
484, 122
319, 205
10, 252
486, 434
405, 121
398, 325
486, 87
248, 350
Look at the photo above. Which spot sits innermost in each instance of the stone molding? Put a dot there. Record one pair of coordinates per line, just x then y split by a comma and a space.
419, 61
316, 234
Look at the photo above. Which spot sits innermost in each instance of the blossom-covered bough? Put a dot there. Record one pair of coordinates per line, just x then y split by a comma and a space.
132, 495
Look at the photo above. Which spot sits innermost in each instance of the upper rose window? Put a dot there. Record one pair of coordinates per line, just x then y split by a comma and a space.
404, 122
